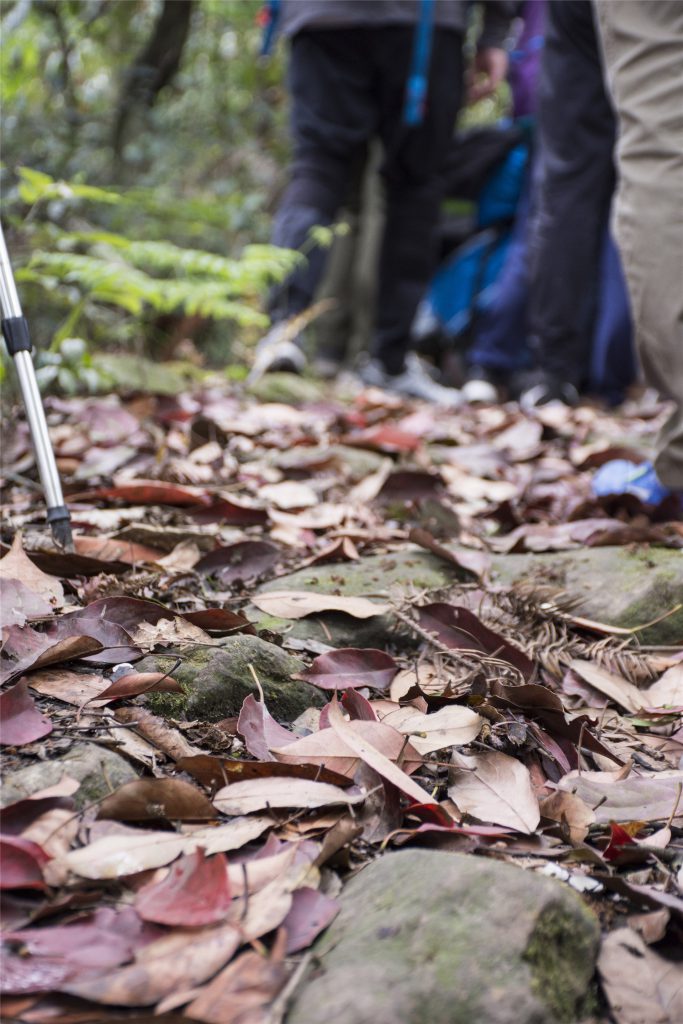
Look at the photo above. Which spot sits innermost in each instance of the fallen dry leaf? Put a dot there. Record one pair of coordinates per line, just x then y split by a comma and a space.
349, 666
20, 720
147, 799
448, 727
195, 892
115, 856
641, 986
261, 794
16, 565
295, 604
495, 788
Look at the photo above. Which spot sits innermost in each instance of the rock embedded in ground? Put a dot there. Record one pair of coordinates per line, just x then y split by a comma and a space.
427, 937
620, 586
217, 679
407, 572
99, 770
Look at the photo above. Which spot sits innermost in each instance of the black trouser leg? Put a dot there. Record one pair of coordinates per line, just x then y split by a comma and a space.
576, 137
414, 158
333, 117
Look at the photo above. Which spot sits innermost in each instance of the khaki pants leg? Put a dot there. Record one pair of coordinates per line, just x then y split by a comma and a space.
643, 46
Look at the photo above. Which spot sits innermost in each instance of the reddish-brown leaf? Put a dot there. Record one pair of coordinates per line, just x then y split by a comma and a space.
135, 683
148, 492
310, 913
195, 892
108, 549
260, 730
349, 667
245, 560
21, 863
147, 799
214, 772
20, 720
460, 629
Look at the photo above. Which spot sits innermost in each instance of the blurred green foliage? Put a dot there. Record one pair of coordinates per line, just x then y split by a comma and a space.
116, 244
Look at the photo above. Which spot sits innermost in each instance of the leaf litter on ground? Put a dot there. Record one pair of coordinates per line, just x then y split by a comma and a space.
481, 712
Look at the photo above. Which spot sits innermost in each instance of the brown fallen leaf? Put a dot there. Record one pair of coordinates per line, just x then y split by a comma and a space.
243, 991
147, 799
296, 604
641, 986
181, 960
494, 788
170, 631
569, 810
214, 772
16, 565
75, 688
156, 731
135, 683
20, 720
327, 748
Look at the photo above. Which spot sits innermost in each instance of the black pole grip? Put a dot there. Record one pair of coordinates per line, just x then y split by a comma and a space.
16, 333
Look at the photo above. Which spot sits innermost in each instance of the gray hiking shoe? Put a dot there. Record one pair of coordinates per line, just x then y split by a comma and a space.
413, 382
278, 352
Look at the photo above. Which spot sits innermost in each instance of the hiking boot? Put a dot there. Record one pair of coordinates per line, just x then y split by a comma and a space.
623, 477
481, 386
278, 352
539, 387
413, 382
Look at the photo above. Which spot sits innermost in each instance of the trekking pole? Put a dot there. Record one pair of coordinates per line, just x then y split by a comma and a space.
18, 342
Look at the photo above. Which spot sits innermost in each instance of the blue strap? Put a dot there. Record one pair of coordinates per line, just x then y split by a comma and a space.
272, 11
416, 86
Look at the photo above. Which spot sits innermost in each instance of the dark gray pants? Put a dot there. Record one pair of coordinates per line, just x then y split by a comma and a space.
574, 191
348, 87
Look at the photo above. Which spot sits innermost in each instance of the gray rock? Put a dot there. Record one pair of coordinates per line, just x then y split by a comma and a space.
427, 937
620, 586
411, 571
99, 770
217, 679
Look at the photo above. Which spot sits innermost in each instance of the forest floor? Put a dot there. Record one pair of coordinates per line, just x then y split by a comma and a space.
338, 698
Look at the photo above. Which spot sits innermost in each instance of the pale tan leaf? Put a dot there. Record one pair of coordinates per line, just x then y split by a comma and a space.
118, 855
329, 749
295, 604
170, 631
16, 565
641, 987
667, 691
289, 495
570, 810
376, 760
633, 799
449, 727
259, 794
619, 690
495, 788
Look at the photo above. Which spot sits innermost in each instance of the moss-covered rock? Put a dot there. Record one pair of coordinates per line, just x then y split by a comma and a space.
99, 770
217, 679
621, 586
288, 388
427, 937
409, 572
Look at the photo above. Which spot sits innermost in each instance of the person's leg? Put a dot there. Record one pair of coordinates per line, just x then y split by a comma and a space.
333, 116
643, 46
411, 171
576, 181
613, 366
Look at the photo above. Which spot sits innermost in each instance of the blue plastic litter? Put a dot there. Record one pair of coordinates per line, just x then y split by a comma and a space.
623, 477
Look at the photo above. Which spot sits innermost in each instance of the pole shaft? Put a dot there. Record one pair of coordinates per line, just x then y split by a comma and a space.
35, 414
9, 298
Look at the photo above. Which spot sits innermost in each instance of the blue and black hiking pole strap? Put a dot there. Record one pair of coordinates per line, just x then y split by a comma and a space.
271, 22
416, 87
